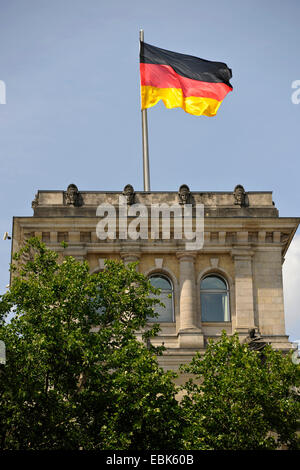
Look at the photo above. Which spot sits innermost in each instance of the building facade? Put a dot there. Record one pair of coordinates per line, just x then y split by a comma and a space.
233, 282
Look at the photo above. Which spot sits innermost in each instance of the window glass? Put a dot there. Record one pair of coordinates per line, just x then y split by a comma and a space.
212, 283
214, 297
165, 314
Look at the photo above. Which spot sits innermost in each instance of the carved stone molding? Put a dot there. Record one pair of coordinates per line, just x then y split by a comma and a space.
214, 262
101, 262
159, 262
241, 253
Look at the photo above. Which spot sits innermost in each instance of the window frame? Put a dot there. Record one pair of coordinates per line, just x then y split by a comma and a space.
216, 291
167, 278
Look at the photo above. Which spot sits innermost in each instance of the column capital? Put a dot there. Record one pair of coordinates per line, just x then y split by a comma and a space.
186, 255
130, 256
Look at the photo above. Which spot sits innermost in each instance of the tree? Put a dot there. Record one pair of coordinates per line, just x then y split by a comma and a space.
76, 376
240, 399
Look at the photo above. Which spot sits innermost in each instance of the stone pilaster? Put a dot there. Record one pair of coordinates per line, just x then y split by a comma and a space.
53, 237
269, 291
130, 257
190, 335
244, 314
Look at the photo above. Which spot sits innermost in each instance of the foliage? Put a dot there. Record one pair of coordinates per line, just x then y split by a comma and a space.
76, 376
238, 399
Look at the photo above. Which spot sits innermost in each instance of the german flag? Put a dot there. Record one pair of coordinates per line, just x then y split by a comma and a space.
182, 81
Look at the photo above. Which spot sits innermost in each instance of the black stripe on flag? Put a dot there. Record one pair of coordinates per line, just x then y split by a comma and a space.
186, 65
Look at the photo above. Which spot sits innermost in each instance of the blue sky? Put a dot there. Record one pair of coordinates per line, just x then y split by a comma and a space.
73, 106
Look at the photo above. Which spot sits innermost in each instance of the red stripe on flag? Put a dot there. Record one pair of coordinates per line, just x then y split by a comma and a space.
164, 76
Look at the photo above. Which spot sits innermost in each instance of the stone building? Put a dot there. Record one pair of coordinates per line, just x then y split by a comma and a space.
233, 282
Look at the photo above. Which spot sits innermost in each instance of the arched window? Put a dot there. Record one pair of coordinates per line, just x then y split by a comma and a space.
214, 296
165, 314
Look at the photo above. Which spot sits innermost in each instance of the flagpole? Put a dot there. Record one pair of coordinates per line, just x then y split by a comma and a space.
145, 139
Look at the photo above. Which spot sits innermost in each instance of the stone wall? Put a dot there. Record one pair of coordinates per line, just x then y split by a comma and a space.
245, 241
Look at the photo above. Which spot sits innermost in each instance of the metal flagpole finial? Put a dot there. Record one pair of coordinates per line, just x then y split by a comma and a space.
145, 139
